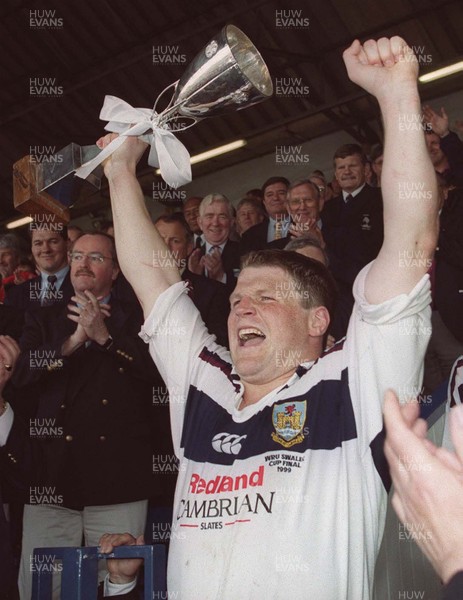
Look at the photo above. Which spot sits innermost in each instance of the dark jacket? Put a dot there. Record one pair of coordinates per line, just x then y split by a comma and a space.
353, 232
26, 296
211, 298
452, 147
11, 321
454, 588
448, 293
231, 263
255, 238
89, 413
13, 474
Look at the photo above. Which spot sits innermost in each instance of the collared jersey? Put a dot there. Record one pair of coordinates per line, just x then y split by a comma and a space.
285, 498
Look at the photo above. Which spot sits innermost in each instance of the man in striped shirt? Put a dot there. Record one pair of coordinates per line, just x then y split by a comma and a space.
282, 482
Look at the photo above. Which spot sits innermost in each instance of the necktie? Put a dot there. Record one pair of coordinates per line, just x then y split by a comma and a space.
210, 251
49, 294
278, 230
348, 198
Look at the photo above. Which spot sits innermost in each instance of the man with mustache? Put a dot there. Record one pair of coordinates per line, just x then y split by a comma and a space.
93, 378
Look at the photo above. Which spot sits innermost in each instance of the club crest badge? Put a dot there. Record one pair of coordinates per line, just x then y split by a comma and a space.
288, 420
366, 223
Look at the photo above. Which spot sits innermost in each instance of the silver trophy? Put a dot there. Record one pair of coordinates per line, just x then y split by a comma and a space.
228, 74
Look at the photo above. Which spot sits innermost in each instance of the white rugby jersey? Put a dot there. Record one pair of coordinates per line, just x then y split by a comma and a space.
286, 498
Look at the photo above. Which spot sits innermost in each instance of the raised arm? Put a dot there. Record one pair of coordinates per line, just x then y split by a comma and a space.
388, 70
140, 249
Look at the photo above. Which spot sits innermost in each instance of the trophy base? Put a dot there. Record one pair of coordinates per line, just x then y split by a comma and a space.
29, 201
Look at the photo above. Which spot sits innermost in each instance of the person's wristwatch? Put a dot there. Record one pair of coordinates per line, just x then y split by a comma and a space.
108, 344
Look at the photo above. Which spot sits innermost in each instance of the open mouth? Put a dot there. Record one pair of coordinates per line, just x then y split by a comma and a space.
250, 336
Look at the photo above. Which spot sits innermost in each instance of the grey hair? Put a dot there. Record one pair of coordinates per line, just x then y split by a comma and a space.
299, 182
216, 197
306, 241
9, 240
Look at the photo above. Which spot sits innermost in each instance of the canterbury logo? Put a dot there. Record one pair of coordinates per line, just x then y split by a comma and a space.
228, 443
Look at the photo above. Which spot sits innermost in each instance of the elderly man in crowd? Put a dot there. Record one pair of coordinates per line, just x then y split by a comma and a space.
271, 421
303, 206
218, 256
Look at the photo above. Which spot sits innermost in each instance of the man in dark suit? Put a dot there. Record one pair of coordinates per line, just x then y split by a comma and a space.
209, 296
218, 257
93, 377
10, 472
49, 249
275, 226
303, 206
352, 227
191, 213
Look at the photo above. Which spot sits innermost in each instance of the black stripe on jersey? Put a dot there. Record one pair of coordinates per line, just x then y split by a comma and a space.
379, 459
214, 360
301, 370
329, 422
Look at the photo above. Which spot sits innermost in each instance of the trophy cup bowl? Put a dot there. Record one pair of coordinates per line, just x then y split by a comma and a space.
228, 74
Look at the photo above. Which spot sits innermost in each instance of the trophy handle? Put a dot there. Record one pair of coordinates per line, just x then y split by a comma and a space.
162, 94
169, 114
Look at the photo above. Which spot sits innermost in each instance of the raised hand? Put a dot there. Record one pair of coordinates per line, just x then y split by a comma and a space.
381, 67
126, 156
439, 123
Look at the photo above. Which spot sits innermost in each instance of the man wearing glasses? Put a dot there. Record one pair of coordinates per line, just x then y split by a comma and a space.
89, 425
303, 206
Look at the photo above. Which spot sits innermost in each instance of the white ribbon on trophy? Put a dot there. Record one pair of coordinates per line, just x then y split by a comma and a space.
166, 152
